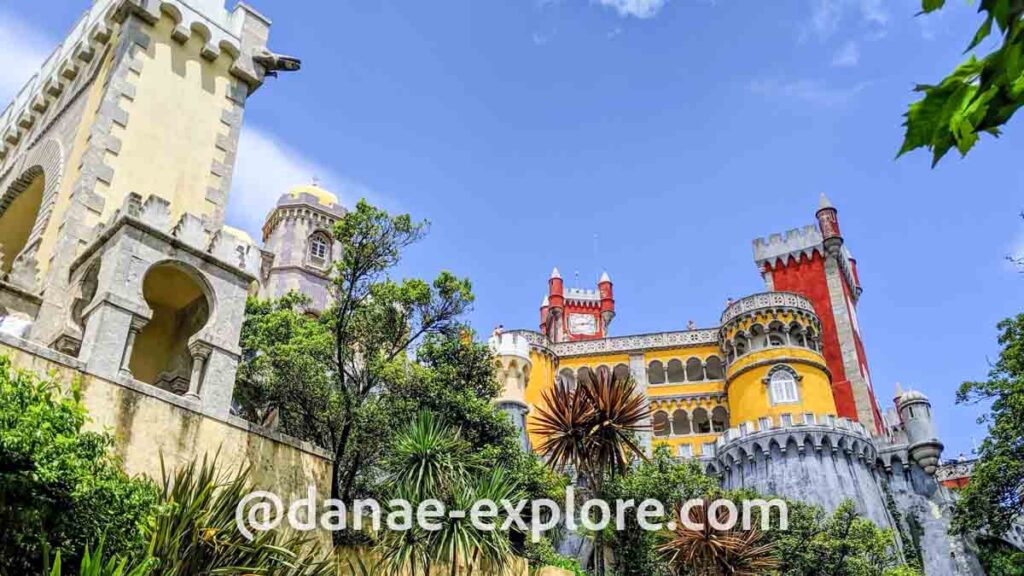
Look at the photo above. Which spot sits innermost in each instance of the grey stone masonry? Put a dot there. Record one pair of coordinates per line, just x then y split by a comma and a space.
137, 239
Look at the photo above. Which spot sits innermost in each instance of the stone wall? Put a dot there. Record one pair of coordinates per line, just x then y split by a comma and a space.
148, 423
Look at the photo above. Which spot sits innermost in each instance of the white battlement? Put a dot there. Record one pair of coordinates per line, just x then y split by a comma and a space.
510, 344
795, 242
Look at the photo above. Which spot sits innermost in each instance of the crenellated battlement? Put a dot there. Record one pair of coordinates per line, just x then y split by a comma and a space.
778, 247
240, 34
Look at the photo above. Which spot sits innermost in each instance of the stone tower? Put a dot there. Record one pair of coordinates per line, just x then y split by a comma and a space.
575, 314
115, 164
813, 261
514, 367
297, 235
916, 414
142, 96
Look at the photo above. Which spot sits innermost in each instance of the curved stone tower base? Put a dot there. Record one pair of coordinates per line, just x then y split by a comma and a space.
825, 464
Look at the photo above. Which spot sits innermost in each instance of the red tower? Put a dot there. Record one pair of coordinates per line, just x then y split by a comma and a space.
813, 261
575, 313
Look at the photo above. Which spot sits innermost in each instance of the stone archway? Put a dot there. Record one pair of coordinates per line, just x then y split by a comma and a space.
181, 305
27, 202
19, 209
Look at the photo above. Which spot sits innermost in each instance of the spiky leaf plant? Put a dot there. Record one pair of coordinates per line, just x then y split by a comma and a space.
709, 551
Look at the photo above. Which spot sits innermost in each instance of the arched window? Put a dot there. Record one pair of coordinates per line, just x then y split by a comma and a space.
742, 344
701, 423
621, 372
812, 339
758, 337
680, 423
713, 368
676, 373
19, 208
178, 298
776, 334
797, 336
604, 371
719, 419
567, 376
319, 249
655, 373
694, 370
584, 375
782, 386
661, 427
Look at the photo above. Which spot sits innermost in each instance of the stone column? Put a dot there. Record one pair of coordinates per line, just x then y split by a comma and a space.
136, 326
639, 372
200, 352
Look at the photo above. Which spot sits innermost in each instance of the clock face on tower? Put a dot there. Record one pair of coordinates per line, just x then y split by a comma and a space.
582, 324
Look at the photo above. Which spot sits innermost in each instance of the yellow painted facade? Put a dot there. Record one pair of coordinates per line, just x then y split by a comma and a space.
709, 382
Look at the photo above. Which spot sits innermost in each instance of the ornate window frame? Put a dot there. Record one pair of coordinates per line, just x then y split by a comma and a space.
318, 249
770, 381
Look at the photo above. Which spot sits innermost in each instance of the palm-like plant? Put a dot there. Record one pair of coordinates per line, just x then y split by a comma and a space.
195, 531
592, 428
432, 461
712, 552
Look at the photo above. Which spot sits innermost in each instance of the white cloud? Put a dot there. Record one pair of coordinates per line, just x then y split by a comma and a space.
808, 91
636, 8
24, 50
827, 15
848, 55
267, 168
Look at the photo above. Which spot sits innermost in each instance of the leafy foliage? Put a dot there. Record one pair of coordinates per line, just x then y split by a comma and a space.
980, 95
843, 544
195, 530
591, 428
662, 478
431, 461
709, 551
60, 487
328, 379
992, 499
1000, 559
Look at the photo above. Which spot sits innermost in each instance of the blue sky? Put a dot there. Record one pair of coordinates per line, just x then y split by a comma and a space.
675, 131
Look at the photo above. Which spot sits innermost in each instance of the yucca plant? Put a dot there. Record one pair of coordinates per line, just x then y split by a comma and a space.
432, 462
592, 429
712, 552
194, 532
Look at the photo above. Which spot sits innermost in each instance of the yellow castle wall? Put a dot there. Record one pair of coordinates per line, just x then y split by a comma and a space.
748, 394
177, 109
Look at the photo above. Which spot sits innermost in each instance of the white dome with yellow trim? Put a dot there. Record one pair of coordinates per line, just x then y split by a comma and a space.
322, 196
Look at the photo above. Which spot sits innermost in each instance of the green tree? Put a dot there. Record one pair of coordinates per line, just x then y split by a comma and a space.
327, 379
662, 478
843, 544
980, 95
431, 460
993, 497
60, 487
591, 428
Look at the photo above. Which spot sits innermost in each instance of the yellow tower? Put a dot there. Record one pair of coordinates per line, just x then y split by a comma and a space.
514, 366
775, 374
142, 97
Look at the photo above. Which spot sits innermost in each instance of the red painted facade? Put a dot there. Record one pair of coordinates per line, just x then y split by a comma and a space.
576, 314
806, 276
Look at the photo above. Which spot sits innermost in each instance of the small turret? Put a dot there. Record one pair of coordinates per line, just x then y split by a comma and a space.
828, 224
604, 288
514, 366
556, 306
916, 413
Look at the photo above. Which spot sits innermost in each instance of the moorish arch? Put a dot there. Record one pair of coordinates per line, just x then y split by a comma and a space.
181, 302
27, 202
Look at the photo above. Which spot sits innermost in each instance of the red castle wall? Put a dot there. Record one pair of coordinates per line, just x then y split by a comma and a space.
807, 277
